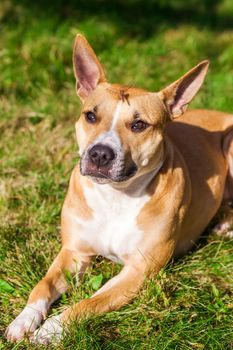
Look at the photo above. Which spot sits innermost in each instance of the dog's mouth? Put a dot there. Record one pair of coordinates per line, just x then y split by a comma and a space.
104, 175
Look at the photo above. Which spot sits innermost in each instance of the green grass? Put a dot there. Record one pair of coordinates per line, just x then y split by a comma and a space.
150, 44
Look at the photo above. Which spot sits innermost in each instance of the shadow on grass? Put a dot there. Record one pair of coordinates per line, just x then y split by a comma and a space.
134, 17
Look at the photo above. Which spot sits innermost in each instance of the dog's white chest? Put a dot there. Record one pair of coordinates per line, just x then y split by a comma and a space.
113, 232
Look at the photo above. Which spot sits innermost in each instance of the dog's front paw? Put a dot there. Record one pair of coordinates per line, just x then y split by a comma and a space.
50, 332
27, 321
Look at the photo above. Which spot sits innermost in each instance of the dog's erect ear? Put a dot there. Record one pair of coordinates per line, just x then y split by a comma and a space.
87, 68
177, 96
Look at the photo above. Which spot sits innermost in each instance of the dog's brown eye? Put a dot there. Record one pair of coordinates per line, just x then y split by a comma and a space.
90, 117
138, 126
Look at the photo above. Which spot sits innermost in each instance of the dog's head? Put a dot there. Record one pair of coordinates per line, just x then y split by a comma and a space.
120, 130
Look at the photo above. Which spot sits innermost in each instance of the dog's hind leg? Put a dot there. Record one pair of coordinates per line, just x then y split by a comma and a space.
225, 226
44, 294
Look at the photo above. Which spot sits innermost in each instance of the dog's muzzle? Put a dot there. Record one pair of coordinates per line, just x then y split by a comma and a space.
104, 165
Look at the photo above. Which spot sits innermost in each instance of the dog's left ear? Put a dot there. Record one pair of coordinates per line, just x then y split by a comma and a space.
87, 68
177, 96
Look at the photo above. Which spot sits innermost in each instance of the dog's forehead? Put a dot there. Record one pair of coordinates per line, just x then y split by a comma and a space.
106, 97
120, 92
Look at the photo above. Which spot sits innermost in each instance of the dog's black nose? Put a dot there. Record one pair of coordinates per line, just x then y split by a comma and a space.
101, 155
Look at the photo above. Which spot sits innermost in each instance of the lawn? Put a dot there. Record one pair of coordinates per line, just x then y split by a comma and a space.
145, 43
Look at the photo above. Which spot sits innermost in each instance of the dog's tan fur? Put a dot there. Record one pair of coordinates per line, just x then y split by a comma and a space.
181, 195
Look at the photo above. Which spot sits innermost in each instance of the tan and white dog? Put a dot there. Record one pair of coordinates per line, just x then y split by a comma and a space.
144, 191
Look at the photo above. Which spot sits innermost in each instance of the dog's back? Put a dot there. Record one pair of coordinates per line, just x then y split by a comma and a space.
200, 136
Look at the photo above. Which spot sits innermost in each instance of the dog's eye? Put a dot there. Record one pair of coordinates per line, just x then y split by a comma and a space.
138, 126
90, 117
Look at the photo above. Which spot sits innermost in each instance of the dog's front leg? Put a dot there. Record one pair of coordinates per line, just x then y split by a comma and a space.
115, 293
45, 293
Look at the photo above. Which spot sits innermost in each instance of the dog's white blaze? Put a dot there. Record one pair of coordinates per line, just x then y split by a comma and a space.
116, 115
113, 232
28, 320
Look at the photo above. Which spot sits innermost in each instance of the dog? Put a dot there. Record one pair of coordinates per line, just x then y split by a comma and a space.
151, 177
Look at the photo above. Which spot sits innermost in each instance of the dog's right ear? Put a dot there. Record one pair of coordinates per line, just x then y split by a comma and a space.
87, 68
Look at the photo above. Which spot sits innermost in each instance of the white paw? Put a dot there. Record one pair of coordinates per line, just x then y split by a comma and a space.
222, 228
50, 331
27, 321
